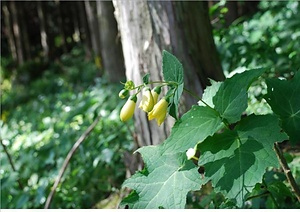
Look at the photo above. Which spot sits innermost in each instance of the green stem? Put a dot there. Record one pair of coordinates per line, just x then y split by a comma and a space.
196, 97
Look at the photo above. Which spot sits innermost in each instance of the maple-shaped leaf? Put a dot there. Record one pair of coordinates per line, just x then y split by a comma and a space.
193, 127
165, 183
284, 98
236, 160
231, 98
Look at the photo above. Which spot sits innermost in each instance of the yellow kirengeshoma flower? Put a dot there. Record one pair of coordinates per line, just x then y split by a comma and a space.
128, 109
147, 102
155, 93
159, 111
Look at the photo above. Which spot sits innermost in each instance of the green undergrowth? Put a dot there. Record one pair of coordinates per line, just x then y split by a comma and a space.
42, 120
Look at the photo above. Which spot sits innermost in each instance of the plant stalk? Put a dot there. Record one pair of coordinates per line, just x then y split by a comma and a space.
11, 163
68, 158
287, 170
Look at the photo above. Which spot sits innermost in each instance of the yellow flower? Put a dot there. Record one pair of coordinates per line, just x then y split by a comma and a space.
159, 111
147, 100
128, 109
155, 93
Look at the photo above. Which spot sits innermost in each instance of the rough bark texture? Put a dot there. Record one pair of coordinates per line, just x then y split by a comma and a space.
111, 47
182, 28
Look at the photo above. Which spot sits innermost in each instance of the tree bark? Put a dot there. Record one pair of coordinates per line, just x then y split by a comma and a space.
111, 47
182, 28
17, 33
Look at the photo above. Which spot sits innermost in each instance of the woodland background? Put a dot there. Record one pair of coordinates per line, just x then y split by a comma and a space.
61, 67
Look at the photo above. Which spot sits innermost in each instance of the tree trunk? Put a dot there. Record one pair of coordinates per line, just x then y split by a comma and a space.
61, 26
182, 28
111, 48
84, 29
23, 28
9, 31
17, 33
93, 27
43, 30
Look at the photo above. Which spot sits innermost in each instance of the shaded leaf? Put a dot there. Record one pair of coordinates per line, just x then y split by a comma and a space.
231, 98
284, 99
236, 159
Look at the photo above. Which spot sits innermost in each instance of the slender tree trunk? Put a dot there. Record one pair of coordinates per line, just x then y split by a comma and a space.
180, 27
43, 29
61, 26
93, 27
111, 47
17, 33
23, 28
9, 31
232, 13
84, 29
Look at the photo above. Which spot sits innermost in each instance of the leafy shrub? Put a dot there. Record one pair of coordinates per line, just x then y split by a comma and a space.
235, 149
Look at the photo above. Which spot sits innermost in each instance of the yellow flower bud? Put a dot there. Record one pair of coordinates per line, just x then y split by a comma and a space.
128, 109
155, 93
147, 100
123, 93
159, 111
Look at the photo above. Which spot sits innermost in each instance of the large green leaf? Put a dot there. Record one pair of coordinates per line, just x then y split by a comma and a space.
166, 182
284, 99
235, 160
231, 98
193, 127
173, 71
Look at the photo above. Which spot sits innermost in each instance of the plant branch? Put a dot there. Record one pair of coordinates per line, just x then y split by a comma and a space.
11, 163
68, 158
287, 170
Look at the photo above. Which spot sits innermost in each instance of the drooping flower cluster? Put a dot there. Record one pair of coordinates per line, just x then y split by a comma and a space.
156, 110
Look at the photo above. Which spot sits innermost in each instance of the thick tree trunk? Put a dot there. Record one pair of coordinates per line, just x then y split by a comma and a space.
182, 28
9, 31
43, 29
111, 47
17, 33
